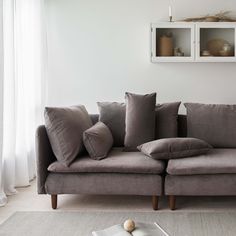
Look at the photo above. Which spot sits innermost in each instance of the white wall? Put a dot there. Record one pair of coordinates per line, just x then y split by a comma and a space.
98, 49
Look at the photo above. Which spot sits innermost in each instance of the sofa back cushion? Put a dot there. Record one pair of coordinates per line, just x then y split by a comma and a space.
216, 124
112, 114
182, 126
65, 127
139, 119
167, 120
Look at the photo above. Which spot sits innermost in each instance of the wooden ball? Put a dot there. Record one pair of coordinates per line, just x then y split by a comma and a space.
129, 225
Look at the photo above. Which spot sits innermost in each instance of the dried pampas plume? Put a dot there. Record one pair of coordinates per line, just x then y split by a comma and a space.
221, 16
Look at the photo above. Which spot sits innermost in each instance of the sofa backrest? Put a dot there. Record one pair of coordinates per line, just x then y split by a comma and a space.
182, 124
94, 118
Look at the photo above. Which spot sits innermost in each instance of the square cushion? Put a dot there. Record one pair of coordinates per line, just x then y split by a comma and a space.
98, 141
112, 114
216, 161
65, 127
140, 119
216, 124
117, 162
171, 148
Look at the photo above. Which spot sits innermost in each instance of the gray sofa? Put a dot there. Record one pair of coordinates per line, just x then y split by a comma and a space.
128, 173
122, 173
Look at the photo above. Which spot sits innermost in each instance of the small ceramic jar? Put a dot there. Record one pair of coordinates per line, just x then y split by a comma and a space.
227, 47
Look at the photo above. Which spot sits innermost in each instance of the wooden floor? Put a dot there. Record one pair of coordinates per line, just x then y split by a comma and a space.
27, 199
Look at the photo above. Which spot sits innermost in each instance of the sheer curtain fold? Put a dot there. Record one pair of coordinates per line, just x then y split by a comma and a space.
3, 198
24, 70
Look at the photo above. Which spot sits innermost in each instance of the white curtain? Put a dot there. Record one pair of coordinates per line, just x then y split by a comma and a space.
24, 73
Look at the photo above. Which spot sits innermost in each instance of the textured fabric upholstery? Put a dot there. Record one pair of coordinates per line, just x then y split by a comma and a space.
166, 120
116, 162
44, 157
104, 183
201, 185
98, 141
171, 148
216, 161
214, 123
65, 127
182, 126
139, 119
94, 118
113, 115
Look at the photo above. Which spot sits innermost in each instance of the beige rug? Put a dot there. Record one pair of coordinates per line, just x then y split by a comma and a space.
83, 223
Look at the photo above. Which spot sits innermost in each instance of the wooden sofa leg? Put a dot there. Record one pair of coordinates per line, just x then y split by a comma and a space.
155, 202
54, 201
172, 201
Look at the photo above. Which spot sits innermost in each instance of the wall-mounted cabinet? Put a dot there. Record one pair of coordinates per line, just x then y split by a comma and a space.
193, 42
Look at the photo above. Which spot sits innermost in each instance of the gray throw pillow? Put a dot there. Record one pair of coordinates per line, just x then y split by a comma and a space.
140, 120
170, 148
216, 124
65, 127
112, 114
167, 120
98, 141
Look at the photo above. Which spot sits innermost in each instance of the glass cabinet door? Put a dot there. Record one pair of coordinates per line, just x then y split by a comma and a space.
172, 42
215, 42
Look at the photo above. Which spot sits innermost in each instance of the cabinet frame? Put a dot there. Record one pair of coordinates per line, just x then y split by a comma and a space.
195, 29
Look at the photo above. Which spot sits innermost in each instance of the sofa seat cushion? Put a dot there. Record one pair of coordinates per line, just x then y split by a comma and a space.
216, 161
116, 162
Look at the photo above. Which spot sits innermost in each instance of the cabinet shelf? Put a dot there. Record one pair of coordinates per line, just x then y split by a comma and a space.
193, 42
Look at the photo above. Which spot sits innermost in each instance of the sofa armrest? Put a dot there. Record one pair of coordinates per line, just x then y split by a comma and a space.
44, 157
